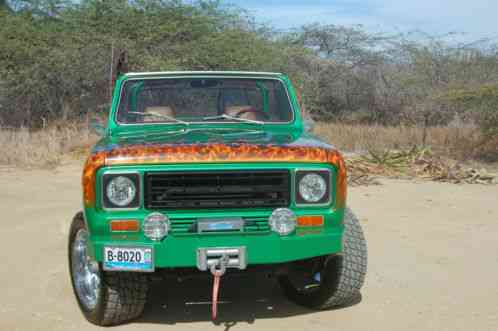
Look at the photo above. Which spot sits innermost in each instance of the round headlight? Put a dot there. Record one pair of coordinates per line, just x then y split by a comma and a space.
283, 221
121, 191
156, 226
312, 187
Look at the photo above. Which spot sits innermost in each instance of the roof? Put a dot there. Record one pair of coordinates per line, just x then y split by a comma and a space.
210, 73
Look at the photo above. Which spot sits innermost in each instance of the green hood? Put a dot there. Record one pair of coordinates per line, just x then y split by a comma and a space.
209, 136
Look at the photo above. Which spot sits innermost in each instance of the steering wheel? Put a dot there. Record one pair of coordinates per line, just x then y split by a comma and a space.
253, 111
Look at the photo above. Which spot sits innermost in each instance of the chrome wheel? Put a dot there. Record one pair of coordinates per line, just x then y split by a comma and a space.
85, 273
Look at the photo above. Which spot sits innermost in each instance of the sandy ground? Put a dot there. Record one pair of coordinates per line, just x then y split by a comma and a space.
433, 264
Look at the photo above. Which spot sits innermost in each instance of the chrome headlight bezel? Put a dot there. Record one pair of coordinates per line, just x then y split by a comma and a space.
326, 199
107, 203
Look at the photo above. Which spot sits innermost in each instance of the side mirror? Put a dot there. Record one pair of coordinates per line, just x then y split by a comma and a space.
309, 124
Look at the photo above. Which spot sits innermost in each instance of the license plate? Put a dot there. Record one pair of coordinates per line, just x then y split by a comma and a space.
128, 259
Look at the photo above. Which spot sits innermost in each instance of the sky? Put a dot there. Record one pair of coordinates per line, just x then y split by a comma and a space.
470, 18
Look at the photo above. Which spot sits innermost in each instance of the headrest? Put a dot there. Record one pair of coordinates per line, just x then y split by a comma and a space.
162, 110
235, 110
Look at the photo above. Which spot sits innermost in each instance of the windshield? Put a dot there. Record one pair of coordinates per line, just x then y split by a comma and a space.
180, 100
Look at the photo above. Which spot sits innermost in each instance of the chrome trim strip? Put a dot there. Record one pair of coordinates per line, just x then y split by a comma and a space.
204, 224
197, 72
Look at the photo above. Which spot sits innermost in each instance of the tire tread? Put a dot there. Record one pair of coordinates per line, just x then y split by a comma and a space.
353, 264
126, 295
123, 294
343, 274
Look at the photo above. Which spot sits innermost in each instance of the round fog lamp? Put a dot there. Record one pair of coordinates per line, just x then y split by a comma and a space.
283, 221
156, 226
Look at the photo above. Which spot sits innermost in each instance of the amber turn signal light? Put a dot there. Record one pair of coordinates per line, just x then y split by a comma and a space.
124, 226
309, 220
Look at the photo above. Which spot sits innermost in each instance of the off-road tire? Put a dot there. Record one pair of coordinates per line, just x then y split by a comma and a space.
122, 294
342, 275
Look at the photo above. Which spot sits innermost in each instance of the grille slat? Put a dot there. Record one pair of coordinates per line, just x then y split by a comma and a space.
213, 189
217, 189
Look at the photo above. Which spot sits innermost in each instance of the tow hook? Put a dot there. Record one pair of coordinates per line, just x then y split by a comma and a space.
218, 269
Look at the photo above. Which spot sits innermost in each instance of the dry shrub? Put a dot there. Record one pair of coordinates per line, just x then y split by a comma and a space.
414, 163
487, 149
45, 147
456, 142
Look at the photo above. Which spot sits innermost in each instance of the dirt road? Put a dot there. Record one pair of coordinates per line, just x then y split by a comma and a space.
433, 264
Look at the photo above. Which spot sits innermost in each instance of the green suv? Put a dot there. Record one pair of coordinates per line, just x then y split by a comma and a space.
214, 173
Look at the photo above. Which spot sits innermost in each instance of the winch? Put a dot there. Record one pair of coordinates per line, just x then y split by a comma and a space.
218, 260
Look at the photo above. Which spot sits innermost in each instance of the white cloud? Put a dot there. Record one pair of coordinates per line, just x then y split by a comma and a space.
478, 18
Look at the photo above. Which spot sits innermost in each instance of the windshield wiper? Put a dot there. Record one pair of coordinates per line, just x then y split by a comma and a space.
166, 117
232, 118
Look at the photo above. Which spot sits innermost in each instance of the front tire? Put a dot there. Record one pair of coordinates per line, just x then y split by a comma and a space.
331, 281
104, 298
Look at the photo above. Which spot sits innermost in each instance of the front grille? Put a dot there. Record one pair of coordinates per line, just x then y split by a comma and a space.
217, 189
187, 225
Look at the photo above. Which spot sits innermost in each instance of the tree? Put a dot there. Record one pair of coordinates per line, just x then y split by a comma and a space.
4, 6
41, 8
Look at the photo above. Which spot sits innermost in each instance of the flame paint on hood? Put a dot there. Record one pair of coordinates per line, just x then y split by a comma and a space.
302, 150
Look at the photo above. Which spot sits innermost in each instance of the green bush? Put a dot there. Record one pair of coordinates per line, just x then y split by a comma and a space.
55, 64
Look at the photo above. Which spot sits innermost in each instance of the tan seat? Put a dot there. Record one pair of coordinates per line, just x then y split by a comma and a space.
235, 110
160, 111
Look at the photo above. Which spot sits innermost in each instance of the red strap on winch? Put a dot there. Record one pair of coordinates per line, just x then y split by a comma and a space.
216, 288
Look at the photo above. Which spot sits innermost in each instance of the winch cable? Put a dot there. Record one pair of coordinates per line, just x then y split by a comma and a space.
218, 269
216, 287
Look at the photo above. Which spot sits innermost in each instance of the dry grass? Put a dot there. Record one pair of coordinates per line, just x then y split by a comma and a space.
439, 153
43, 148
48, 147
456, 142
